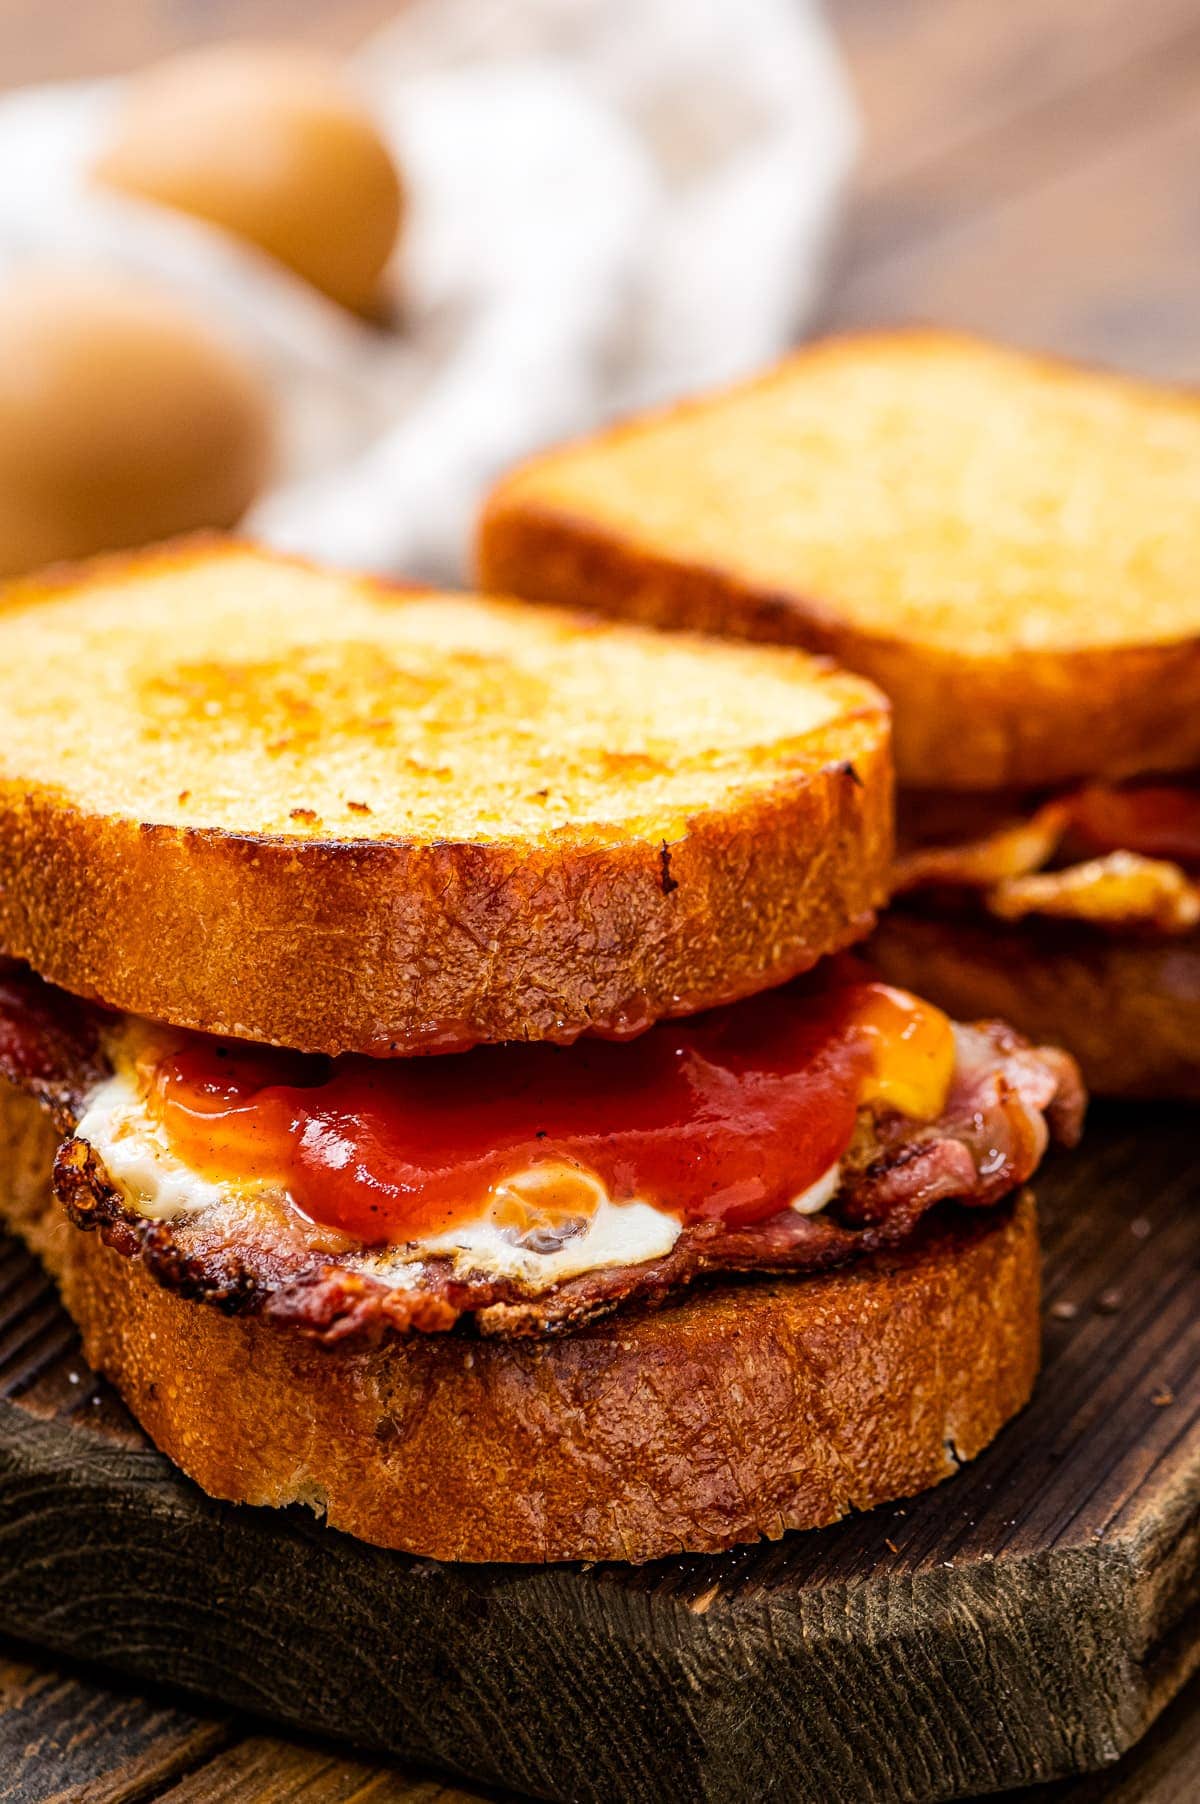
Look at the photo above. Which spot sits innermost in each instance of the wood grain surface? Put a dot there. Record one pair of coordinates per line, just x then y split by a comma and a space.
1025, 174
1028, 170
74, 1740
1029, 1619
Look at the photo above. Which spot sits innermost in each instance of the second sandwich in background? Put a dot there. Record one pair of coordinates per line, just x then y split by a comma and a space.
1008, 546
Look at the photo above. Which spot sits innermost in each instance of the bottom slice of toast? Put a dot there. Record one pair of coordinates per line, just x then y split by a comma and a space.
748, 1409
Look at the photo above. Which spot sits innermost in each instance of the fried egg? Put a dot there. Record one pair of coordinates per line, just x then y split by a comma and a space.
538, 1226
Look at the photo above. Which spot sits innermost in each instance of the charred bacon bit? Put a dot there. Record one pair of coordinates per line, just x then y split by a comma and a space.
1005, 1100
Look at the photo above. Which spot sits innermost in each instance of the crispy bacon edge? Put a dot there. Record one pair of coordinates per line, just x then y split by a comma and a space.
1003, 860
1005, 1101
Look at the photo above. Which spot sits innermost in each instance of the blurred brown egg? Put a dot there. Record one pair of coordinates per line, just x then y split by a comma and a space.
121, 420
272, 145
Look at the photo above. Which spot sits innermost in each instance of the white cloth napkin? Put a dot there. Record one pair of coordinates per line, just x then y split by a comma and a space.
613, 202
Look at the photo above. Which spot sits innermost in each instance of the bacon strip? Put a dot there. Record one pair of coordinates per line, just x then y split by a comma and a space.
49, 1042
1140, 883
1000, 854
1122, 889
1005, 1100
1159, 820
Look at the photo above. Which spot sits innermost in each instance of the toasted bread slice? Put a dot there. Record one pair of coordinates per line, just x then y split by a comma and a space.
1128, 1008
618, 1442
1006, 544
242, 794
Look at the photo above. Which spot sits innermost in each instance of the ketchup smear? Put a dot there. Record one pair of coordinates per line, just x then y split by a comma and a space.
729, 1114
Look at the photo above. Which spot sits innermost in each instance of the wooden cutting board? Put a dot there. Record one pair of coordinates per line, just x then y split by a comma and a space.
1028, 1619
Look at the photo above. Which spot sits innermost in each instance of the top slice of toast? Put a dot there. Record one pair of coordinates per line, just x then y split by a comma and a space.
243, 794
1009, 545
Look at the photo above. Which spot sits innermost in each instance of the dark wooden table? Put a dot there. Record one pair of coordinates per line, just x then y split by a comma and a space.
1029, 171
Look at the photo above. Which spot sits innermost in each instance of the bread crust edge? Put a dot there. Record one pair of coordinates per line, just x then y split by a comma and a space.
1025, 717
389, 947
1035, 718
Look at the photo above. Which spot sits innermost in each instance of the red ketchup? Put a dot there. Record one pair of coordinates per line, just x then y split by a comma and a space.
728, 1114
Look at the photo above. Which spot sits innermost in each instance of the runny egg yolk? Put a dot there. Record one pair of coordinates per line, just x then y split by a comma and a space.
912, 1052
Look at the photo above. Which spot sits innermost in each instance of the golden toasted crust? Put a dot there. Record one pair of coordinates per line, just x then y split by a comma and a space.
745, 1411
1129, 1009
1006, 544
241, 794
